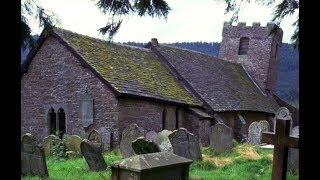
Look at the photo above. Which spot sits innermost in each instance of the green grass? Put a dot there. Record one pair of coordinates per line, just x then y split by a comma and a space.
239, 168
76, 168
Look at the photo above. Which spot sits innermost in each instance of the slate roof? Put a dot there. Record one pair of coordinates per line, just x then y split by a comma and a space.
129, 70
223, 85
201, 113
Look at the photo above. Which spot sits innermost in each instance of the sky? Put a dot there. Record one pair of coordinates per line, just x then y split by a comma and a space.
188, 21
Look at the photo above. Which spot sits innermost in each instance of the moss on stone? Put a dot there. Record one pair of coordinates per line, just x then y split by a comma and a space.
129, 69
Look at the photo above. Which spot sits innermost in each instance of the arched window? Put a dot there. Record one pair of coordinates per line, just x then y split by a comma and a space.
243, 46
52, 121
61, 122
164, 114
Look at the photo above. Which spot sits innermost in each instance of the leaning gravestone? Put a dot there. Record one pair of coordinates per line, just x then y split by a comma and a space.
72, 143
185, 144
33, 161
220, 137
93, 156
293, 153
254, 134
129, 134
49, 142
143, 146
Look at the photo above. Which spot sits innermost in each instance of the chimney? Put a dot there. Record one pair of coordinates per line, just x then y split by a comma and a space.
154, 41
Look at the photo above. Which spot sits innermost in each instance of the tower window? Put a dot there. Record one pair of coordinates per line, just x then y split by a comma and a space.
243, 46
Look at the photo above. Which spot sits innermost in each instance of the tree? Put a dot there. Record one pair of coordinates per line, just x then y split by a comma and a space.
283, 9
117, 9
29, 8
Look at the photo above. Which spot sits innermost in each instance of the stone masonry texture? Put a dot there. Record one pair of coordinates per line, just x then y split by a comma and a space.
263, 54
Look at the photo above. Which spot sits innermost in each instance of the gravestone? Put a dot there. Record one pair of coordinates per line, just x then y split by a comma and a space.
143, 146
49, 142
72, 143
129, 134
151, 135
295, 131
95, 139
264, 126
293, 153
281, 141
93, 156
86, 109
185, 144
282, 113
220, 137
163, 141
102, 137
33, 161
153, 166
254, 134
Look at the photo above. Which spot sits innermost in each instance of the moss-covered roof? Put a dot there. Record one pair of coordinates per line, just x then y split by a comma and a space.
129, 70
225, 86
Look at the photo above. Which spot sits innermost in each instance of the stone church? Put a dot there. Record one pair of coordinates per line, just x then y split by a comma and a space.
74, 84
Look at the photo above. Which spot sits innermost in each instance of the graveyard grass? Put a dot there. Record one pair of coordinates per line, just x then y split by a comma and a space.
244, 161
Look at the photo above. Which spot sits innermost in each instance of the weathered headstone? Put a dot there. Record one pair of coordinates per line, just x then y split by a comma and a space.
129, 134
220, 137
143, 146
95, 139
33, 161
93, 156
72, 143
105, 138
151, 135
254, 134
264, 126
153, 166
165, 133
282, 141
282, 113
293, 153
49, 142
185, 144
102, 137
295, 131
161, 139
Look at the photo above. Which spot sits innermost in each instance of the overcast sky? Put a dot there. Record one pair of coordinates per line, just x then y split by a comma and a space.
189, 20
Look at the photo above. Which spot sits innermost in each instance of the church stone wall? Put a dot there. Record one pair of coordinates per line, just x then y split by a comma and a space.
56, 79
262, 58
149, 115
145, 114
